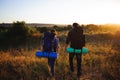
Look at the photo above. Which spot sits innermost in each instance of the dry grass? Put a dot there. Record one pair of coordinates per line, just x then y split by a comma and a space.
101, 63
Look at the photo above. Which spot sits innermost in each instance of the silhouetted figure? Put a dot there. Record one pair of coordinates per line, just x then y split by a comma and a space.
51, 45
76, 39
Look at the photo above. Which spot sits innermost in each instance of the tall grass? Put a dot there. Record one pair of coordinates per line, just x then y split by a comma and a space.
101, 63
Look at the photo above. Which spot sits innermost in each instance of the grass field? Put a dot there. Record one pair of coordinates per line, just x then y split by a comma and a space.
101, 63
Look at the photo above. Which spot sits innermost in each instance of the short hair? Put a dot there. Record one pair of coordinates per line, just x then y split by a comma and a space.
53, 31
75, 24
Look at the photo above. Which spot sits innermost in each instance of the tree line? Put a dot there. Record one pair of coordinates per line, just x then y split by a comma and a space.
19, 34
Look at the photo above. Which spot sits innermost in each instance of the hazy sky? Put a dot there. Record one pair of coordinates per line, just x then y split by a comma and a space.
60, 11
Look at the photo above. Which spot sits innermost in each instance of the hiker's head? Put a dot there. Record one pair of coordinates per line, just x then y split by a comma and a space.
53, 31
75, 25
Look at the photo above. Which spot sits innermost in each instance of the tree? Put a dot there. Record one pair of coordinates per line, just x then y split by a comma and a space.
18, 33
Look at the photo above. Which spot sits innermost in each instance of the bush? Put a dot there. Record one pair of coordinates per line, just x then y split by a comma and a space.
18, 35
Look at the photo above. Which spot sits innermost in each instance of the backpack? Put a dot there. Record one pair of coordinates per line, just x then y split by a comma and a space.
48, 42
77, 38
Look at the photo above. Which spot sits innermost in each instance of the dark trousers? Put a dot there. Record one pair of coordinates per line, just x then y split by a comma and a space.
79, 60
51, 62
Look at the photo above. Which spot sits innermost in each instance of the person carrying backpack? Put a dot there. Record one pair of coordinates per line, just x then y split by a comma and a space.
76, 39
50, 44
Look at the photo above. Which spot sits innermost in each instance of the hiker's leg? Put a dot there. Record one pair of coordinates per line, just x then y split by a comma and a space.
71, 56
52, 62
79, 60
49, 61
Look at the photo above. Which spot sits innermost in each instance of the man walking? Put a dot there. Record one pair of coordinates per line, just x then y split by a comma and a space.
76, 39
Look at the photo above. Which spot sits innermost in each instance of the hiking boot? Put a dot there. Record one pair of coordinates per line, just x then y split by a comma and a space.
53, 78
78, 77
50, 74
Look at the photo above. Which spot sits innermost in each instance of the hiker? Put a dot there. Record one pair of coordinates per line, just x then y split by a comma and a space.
53, 42
76, 40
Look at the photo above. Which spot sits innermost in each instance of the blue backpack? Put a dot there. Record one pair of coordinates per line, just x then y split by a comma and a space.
48, 42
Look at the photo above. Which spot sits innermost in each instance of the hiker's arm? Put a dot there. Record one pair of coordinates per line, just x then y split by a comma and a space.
66, 45
67, 41
57, 44
57, 48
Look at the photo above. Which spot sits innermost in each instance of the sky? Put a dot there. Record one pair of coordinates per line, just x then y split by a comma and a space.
60, 11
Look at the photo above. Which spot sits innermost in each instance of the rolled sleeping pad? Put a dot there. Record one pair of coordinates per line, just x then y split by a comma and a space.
46, 54
78, 51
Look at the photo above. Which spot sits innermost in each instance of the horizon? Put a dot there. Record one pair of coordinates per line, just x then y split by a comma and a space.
60, 11
66, 24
